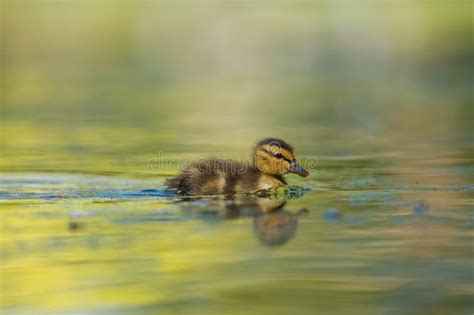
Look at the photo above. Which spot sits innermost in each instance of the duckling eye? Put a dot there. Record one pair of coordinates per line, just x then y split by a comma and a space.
278, 155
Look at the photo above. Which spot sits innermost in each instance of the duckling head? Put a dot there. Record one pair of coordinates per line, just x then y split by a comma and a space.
275, 157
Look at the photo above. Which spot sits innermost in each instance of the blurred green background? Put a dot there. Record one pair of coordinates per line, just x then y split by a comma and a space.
102, 86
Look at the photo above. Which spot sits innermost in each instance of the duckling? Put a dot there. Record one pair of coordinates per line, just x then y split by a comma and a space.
272, 159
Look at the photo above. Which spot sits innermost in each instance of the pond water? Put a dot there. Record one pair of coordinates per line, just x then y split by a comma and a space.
371, 236
102, 101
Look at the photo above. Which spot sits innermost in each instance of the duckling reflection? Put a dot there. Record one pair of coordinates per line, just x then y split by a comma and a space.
272, 224
276, 228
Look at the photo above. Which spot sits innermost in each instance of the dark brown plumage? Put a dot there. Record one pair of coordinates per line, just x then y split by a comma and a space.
272, 159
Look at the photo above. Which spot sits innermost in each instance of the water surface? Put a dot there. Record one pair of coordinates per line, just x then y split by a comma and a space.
379, 239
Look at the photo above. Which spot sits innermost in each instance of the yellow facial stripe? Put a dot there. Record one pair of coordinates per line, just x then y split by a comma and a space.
287, 154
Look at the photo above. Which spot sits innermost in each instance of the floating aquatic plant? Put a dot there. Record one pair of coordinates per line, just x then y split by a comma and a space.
282, 192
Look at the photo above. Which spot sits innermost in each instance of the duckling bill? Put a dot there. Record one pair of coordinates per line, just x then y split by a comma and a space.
272, 158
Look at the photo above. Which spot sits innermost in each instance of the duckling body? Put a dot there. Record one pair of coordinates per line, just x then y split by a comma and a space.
217, 177
272, 158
